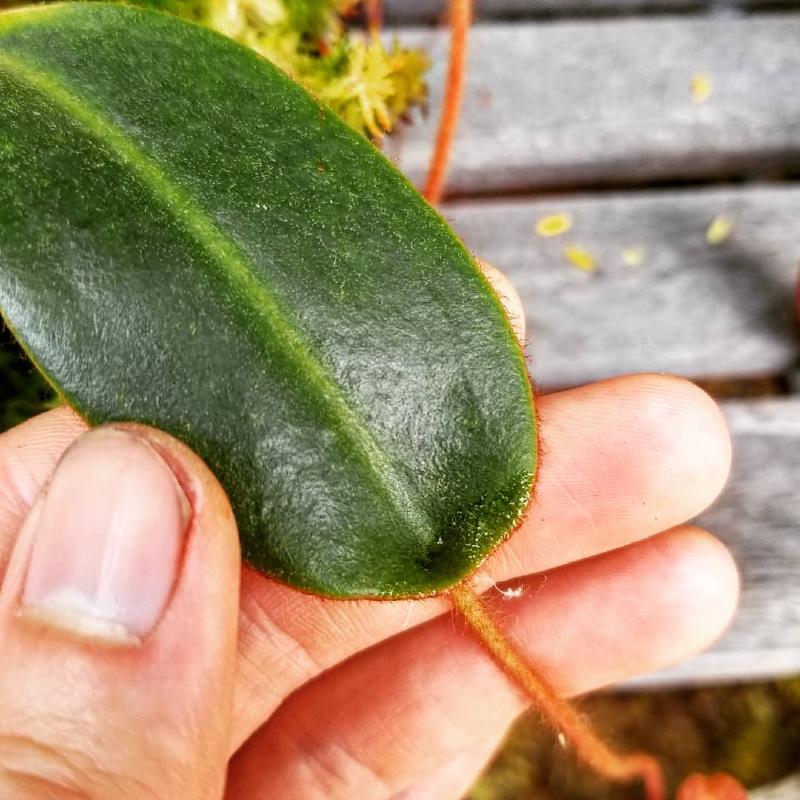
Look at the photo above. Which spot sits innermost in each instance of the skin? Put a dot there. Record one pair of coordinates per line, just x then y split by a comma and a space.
270, 693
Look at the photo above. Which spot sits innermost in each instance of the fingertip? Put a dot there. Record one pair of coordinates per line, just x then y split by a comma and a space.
631, 611
700, 429
101, 550
703, 585
204, 492
682, 435
211, 566
508, 296
621, 460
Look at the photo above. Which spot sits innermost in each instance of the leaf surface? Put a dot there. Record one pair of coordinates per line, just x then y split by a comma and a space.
188, 240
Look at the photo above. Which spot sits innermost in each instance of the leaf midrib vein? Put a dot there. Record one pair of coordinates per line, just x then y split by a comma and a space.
234, 264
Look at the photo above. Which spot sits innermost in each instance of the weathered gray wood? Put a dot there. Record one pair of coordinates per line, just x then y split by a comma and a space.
609, 102
758, 516
788, 789
427, 11
689, 308
416, 11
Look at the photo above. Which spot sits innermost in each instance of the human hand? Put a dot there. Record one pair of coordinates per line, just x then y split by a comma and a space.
132, 666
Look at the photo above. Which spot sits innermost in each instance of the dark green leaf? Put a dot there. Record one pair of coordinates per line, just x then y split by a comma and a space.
187, 239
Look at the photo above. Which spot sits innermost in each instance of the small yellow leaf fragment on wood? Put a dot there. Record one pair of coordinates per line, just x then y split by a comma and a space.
553, 225
702, 87
633, 256
719, 229
580, 258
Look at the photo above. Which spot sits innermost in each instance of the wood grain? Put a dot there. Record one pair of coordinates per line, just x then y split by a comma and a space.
609, 102
688, 307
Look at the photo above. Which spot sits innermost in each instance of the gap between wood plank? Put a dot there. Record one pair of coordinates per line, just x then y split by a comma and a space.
432, 12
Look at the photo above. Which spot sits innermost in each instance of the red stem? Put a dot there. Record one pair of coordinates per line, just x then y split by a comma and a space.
460, 18
374, 11
593, 751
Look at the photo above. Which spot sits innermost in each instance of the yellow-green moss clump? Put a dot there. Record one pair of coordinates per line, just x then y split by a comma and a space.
371, 86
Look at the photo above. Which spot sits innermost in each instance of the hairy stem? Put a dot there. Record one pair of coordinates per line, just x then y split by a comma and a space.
374, 14
460, 18
594, 752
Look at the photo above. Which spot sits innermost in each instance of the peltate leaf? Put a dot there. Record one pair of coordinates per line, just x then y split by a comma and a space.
189, 240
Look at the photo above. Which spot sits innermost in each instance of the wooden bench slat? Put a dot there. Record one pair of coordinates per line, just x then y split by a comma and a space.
609, 102
427, 11
758, 516
690, 308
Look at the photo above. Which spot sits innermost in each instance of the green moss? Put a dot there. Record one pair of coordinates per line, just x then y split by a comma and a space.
751, 731
371, 86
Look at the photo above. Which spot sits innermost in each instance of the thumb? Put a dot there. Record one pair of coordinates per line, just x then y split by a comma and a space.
118, 620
